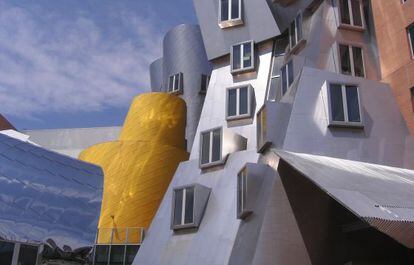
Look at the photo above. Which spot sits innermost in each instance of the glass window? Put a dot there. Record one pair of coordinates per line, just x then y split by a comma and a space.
295, 31
117, 255
261, 129
344, 102
351, 60
175, 83
131, 252
410, 31
205, 80
230, 10
242, 57
224, 10
210, 146
241, 193
287, 77
351, 12
27, 255
238, 102
184, 198
101, 254
6, 252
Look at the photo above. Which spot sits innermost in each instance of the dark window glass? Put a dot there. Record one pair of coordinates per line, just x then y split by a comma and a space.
216, 156
101, 255
247, 57
117, 255
356, 13
204, 83
290, 73
299, 27
235, 9
171, 84
236, 57
284, 80
344, 8
273, 88
358, 61
27, 255
189, 205
176, 82
224, 10
345, 59
178, 207
131, 252
337, 106
6, 253
244, 101
411, 36
352, 104
232, 104
205, 148
292, 34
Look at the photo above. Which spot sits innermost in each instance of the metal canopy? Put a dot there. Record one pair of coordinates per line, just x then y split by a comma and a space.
382, 196
45, 195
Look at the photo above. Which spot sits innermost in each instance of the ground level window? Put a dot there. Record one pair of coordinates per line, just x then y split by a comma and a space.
344, 105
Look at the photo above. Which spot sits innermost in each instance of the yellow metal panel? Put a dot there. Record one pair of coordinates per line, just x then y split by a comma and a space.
138, 168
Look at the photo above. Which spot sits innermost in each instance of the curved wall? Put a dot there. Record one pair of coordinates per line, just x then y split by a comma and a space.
184, 52
156, 75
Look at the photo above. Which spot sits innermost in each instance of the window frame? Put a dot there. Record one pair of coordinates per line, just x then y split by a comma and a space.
243, 69
351, 58
179, 90
262, 141
298, 42
16, 250
183, 225
230, 22
207, 82
242, 209
410, 40
352, 25
346, 122
239, 116
211, 163
286, 66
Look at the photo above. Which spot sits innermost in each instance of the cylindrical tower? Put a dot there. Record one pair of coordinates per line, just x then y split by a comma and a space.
156, 76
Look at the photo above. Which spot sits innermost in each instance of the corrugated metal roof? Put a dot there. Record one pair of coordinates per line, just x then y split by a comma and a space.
47, 195
383, 196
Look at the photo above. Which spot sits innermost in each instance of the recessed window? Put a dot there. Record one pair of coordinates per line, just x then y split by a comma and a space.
295, 31
242, 57
351, 60
287, 77
183, 206
344, 104
175, 83
230, 13
242, 211
351, 13
210, 147
262, 142
205, 80
239, 102
410, 31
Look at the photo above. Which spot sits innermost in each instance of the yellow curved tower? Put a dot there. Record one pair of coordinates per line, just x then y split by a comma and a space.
139, 166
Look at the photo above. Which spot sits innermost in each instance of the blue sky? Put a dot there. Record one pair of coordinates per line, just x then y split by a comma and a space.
79, 63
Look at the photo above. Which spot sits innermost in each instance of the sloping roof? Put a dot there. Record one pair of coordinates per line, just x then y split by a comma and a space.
5, 124
382, 196
47, 195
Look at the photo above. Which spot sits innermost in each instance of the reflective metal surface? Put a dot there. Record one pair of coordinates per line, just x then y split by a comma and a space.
44, 195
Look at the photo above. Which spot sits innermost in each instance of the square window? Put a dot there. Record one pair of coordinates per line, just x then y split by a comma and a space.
345, 107
230, 13
242, 211
175, 83
351, 13
211, 147
242, 57
295, 31
410, 31
184, 206
287, 77
262, 141
205, 80
239, 102
351, 60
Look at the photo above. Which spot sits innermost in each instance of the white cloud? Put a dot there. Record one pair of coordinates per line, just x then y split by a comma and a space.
49, 63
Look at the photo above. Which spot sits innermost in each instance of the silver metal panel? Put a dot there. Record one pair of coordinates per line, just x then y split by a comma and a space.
47, 195
156, 75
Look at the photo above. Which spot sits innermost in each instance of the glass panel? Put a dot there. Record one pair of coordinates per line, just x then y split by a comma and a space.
411, 35
299, 27
27, 255
292, 34
176, 82
101, 255
171, 84
244, 100
236, 57
189, 205
224, 10
205, 148
273, 88
356, 12
284, 80
345, 60
358, 61
337, 106
344, 8
247, 57
353, 104
131, 252
216, 145
235, 9
290, 73
178, 206
232, 104
6, 253
117, 255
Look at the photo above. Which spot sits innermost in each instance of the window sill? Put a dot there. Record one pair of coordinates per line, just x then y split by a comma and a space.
230, 23
298, 47
351, 125
213, 164
351, 27
185, 226
243, 70
239, 117
178, 92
